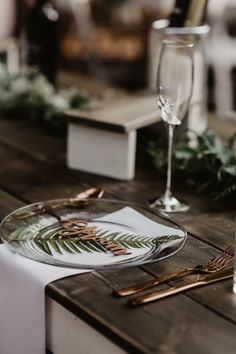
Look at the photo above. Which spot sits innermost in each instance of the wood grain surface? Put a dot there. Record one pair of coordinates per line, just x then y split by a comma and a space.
202, 321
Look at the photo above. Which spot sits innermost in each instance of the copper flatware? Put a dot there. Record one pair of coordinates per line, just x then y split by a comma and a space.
90, 193
82, 196
202, 280
214, 265
44, 208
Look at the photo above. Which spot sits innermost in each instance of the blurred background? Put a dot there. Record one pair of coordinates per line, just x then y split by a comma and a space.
109, 40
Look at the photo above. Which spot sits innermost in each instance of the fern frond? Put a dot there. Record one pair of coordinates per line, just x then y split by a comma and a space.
48, 241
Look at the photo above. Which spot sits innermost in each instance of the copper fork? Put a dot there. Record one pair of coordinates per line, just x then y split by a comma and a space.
214, 265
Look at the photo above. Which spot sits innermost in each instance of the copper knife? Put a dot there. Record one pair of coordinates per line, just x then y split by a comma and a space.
202, 280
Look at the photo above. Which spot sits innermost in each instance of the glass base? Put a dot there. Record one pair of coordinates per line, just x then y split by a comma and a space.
169, 204
234, 284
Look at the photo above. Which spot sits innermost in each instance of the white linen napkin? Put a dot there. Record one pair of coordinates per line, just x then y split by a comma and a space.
22, 284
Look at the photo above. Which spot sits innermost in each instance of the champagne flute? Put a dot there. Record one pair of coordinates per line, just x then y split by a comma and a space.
174, 91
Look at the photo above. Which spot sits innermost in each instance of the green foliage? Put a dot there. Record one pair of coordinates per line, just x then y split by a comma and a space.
204, 160
48, 241
30, 96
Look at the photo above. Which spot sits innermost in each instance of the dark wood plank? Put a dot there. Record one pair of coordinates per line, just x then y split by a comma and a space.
8, 203
205, 219
32, 180
196, 252
175, 325
30, 139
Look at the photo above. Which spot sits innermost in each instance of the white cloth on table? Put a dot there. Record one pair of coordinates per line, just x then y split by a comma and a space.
22, 302
22, 287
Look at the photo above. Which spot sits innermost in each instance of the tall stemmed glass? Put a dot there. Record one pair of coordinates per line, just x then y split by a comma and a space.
174, 90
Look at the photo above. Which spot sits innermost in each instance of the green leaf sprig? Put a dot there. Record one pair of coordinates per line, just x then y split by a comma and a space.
29, 95
204, 160
48, 241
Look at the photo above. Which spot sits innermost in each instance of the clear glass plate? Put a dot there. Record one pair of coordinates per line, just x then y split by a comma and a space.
50, 232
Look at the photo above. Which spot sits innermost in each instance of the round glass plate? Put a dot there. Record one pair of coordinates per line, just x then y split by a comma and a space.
92, 233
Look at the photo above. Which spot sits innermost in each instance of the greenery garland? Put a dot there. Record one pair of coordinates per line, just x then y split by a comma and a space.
204, 160
29, 95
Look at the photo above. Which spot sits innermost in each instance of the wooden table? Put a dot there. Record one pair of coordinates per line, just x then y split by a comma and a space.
82, 315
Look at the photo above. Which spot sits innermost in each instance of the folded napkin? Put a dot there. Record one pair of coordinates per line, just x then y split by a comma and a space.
22, 285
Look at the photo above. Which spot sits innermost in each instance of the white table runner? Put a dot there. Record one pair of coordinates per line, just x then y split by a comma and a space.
22, 302
22, 286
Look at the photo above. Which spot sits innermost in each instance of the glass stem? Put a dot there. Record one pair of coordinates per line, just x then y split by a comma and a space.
170, 148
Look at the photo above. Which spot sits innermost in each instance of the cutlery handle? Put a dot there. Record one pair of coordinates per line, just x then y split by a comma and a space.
149, 284
90, 193
156, 295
